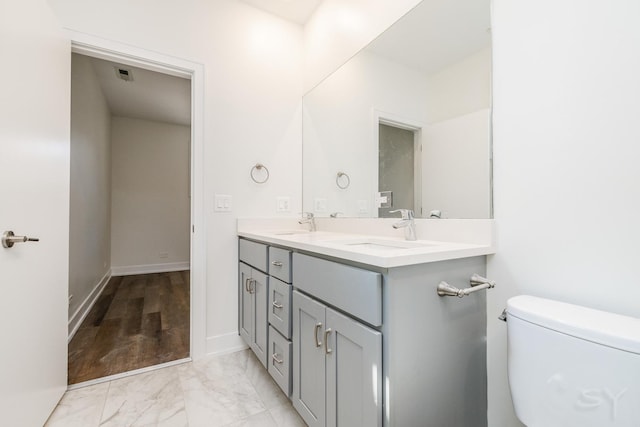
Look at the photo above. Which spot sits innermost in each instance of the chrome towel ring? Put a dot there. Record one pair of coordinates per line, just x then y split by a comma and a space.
255, 170
342, 180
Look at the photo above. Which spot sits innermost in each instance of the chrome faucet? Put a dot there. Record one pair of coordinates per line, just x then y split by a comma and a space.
407, 223
308, 218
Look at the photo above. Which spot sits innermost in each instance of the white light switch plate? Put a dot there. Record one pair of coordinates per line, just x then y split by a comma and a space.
283, 204
320, 205
222, 203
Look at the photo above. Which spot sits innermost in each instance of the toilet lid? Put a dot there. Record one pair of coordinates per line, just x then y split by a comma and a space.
610, 329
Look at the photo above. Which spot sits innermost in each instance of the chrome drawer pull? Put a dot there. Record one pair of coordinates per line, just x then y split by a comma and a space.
327, 350
277, 305
276, 263
315, 334
275, 359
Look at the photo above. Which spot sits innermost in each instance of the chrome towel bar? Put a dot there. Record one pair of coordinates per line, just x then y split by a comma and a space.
477, 283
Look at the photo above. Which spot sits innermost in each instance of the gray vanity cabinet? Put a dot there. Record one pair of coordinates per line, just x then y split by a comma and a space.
337, 367
365, 346
253, 295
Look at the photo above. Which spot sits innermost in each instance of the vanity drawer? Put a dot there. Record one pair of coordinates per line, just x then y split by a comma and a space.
354, 290
280, 360
280, 307
253, 253
280, 264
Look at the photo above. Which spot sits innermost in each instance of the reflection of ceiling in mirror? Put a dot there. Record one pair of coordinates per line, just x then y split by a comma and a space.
298, 11
437, 33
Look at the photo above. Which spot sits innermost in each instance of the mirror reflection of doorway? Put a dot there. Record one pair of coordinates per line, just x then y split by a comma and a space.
399, 168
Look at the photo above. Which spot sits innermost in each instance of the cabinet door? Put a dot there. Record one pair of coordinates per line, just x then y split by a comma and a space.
245, 303
309, 359
259, 289
354, 373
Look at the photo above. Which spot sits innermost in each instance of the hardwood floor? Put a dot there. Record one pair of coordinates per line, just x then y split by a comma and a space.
138, 321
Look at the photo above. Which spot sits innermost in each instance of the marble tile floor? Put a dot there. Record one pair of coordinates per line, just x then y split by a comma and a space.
232, 390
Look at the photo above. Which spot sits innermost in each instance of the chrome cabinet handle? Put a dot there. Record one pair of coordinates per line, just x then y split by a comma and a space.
277, 305
247, 285
276, 263
315, 334
274, 356
327, 350
9, 239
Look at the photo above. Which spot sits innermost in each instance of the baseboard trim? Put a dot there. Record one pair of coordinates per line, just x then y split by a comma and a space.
226, 343
81, 312
128, 270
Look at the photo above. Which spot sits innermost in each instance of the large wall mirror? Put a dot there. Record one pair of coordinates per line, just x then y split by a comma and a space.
405, 123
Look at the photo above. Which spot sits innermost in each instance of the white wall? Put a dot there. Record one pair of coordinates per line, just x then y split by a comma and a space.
338, 29
90, 189
566, 109
253, 87
150, 208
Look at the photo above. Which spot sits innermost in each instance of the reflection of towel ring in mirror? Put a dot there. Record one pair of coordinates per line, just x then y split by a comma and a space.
343, 183
259, 167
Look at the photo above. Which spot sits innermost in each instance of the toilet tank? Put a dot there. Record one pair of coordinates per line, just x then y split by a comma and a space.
571, 366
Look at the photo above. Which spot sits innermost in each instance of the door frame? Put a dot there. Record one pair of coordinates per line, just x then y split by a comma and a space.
394, 120
109, 50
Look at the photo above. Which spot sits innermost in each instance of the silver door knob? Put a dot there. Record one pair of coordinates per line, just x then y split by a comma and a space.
9, 239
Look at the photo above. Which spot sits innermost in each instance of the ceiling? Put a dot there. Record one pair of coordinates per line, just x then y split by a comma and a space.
164, 98
298, 11
160, 97
434, 35
150, 96
437, 33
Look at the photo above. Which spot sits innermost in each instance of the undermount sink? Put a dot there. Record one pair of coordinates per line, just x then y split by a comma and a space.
290, 232
364, 244
383, 244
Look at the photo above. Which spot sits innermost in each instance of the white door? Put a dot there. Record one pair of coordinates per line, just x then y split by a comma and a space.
34, 201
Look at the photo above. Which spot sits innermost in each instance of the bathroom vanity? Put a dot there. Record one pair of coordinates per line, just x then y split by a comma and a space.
352, 329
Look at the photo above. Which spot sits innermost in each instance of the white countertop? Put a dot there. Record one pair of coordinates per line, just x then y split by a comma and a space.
377, 250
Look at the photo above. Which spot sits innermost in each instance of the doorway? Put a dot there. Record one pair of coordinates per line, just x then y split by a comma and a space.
399, 167
166, 269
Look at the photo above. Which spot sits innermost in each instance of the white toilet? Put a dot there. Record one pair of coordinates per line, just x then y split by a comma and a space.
571, 366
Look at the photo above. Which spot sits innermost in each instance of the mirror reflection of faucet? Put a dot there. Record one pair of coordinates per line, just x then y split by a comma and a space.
335, 214
308, 218
435, 214
407, 223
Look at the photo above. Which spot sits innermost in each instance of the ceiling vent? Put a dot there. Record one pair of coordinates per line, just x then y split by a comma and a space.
124, 74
